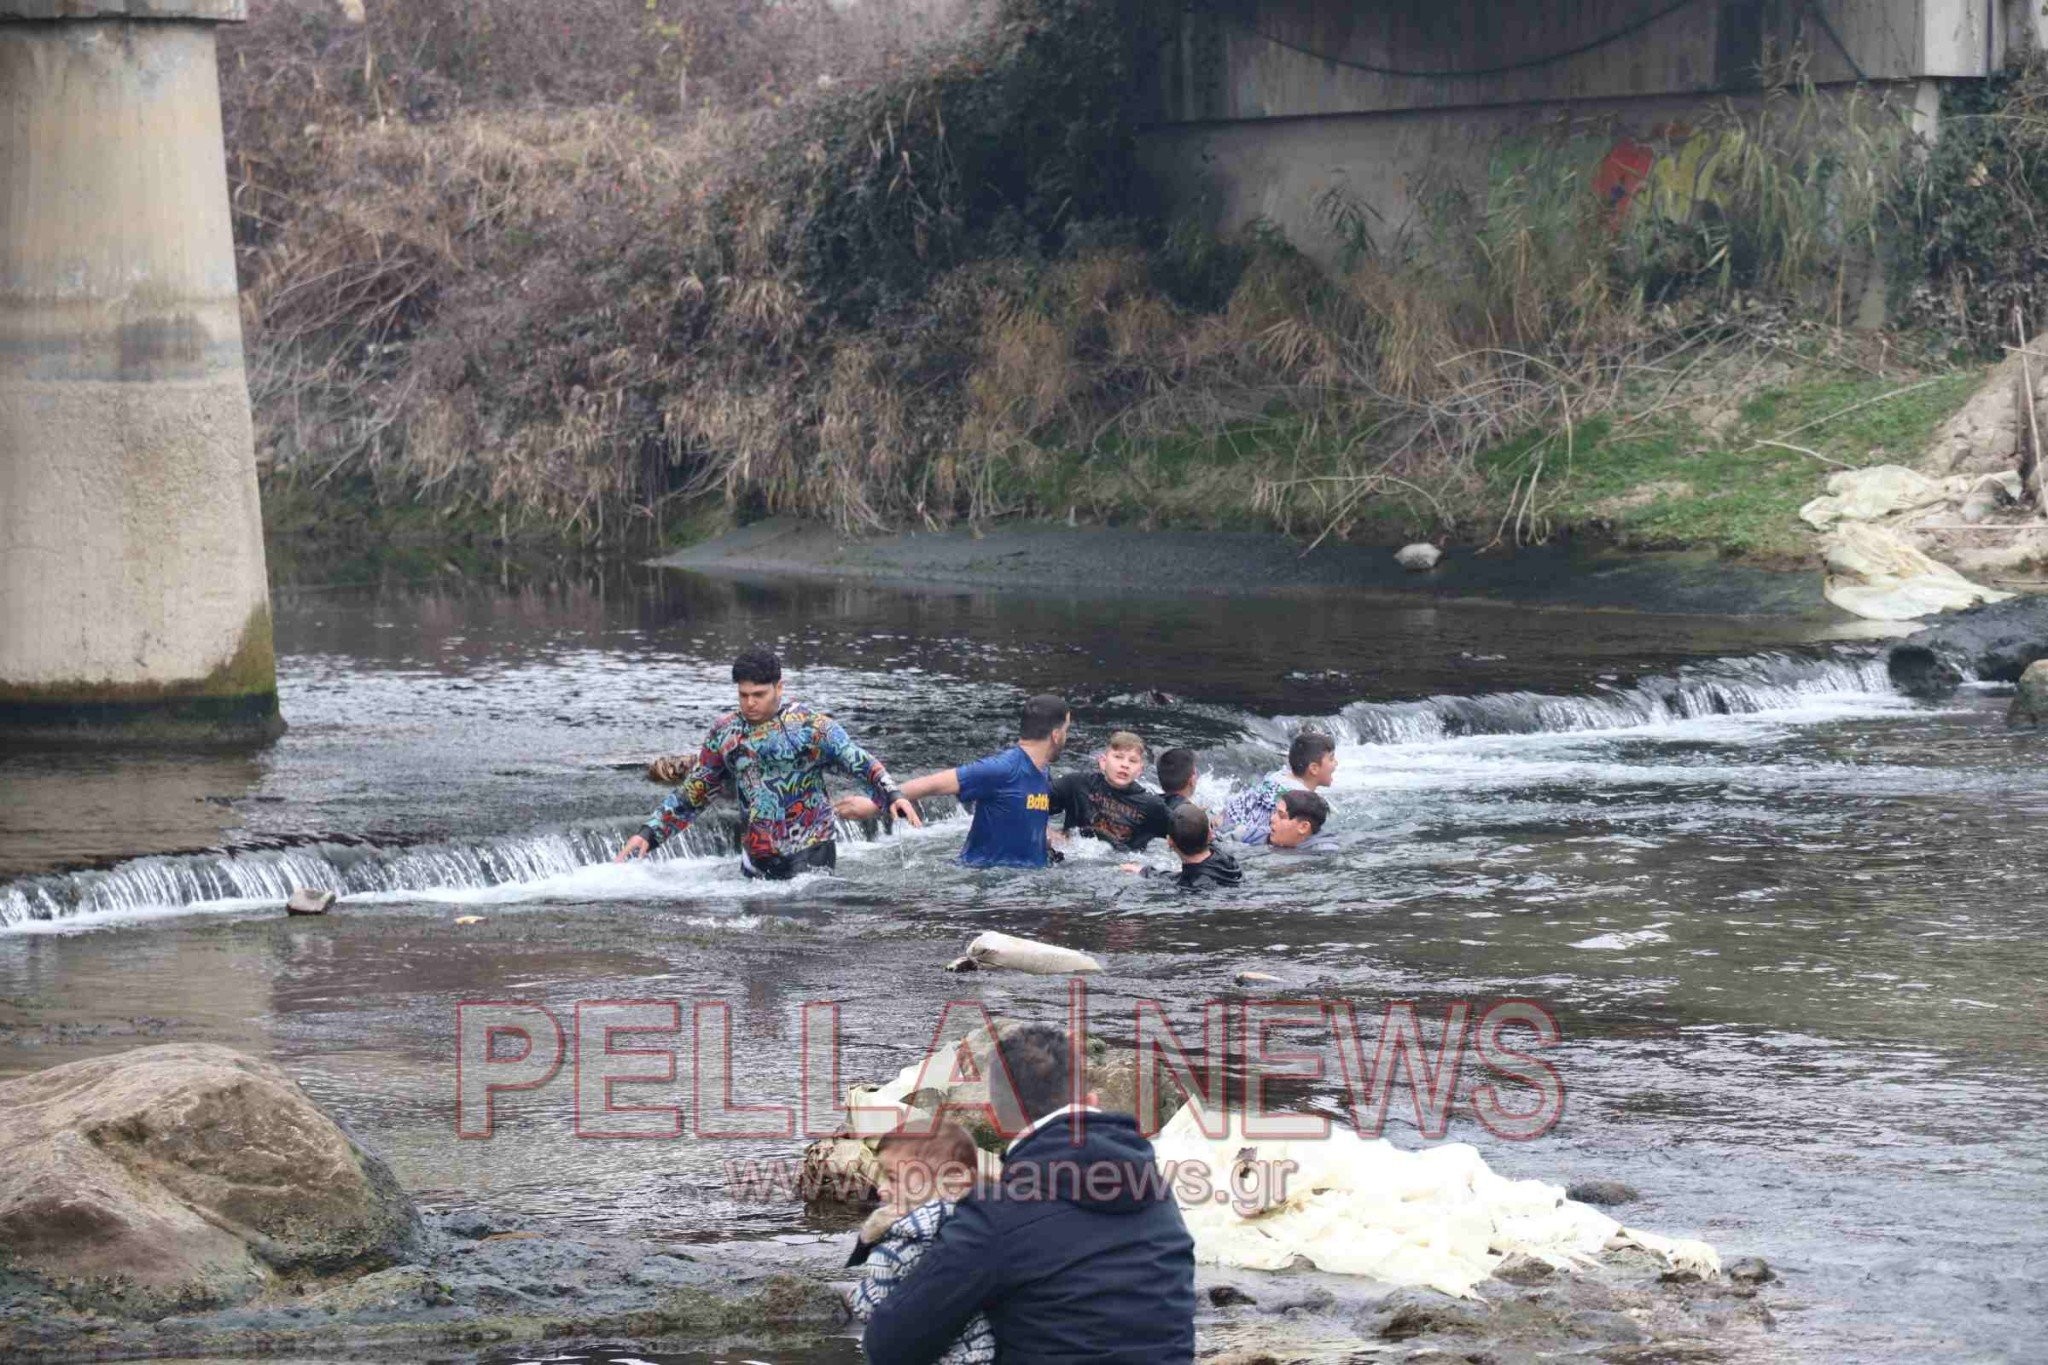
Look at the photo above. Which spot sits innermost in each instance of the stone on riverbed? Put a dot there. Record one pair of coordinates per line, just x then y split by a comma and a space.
306, 901
2030, 703
1419, 557
1602, 1192
184, 1176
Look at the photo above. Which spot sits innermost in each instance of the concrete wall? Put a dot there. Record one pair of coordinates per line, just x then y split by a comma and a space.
132, 582
1264, 105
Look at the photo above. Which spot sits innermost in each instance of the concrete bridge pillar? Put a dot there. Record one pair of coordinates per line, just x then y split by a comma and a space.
134, 602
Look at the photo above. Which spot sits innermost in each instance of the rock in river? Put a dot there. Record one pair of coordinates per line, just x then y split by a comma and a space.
185, 1176
2030, 703
1990, 643
1419, 557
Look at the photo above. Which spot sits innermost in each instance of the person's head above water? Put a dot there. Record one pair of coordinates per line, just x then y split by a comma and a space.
1313, 759
1037, 1059
1123, 760
1189, 833
758, 674
1297, 818
1045, 721
1177, 772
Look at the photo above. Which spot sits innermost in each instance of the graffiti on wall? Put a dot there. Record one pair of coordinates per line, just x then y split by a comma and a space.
1670, 176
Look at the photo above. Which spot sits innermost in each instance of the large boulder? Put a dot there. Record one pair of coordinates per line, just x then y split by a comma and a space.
1990, 644
185, 1176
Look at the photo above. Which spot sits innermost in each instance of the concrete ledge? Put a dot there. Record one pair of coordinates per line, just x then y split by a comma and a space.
206, 11
197, 722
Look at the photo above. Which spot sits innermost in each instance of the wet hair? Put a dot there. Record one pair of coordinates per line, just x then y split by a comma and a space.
1043, 714
757, 665
1176, 769
1306, 806
948, 1145
1310, 746
1035, 1056
1124, 739
1190, 828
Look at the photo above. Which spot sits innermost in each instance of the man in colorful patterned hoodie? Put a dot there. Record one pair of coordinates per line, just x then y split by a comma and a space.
772, 754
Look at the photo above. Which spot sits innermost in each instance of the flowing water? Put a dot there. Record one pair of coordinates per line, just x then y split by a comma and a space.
1788, 922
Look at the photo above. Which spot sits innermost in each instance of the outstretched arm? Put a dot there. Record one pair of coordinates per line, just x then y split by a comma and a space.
838, 747
945, 783
682, 807
925, 1312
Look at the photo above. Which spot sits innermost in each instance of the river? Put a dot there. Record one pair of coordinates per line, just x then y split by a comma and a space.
1789, 922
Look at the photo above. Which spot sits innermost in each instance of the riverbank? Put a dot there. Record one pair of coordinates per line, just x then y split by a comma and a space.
488, 1289
1054, 559
1695, 512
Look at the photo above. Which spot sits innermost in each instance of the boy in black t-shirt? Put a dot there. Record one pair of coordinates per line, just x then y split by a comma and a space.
1109, 803
1200, 865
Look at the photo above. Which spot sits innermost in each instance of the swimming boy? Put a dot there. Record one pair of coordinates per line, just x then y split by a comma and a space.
1311, 763
1176, 777
1296, 821
1200, 864
1109, 803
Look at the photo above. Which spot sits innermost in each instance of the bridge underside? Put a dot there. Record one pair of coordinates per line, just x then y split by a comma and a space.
1263, 106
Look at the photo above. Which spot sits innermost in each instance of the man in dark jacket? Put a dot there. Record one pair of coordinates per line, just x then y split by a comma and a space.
1077, 1254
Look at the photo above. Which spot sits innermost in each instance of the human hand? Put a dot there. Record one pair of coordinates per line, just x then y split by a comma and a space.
855, 807
905, 809
636, 847
1132, 868
877, 1224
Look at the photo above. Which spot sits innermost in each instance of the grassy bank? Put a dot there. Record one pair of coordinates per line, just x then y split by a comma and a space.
558, 295
1723, 476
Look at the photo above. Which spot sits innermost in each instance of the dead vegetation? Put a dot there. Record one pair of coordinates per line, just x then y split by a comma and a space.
577, 280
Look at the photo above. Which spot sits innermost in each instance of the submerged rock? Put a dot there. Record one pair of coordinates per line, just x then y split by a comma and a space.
1991, 643
185, 1176
1752, 1270
2030, 703
1602, 1192
1419, 557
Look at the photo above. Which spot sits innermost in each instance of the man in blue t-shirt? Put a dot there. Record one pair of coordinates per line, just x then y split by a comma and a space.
1011, 793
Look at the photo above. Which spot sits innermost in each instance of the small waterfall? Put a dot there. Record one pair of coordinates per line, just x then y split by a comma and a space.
1744, 686
1722, 687
346, 867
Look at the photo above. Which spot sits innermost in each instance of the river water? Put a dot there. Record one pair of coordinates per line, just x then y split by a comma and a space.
1788, 922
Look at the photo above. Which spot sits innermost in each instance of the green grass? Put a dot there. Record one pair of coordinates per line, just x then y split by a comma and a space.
1670, 485
1656, 485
